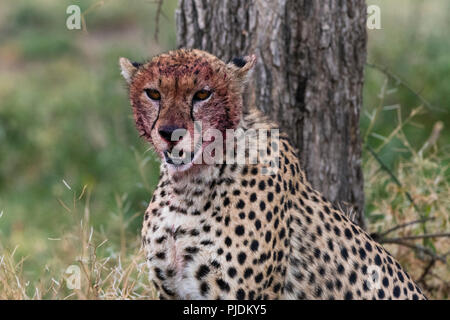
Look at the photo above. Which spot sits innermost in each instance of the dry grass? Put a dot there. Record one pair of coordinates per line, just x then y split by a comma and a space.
109, 275
413, 198
427, 260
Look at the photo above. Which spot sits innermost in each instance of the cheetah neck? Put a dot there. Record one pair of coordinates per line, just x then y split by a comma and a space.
196, 188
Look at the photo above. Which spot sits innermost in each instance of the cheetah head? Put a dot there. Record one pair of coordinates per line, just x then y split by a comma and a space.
175, 92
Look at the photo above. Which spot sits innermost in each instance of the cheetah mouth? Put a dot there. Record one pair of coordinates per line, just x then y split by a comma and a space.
178, 158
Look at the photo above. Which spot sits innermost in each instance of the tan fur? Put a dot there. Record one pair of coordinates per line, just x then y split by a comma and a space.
230, 231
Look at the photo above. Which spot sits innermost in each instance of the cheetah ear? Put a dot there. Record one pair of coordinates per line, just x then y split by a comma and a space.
128, 68
242, 65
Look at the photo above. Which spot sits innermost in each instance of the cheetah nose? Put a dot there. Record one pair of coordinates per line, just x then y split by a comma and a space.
172, 134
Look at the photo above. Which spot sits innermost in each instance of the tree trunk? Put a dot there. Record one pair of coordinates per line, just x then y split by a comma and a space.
309, 75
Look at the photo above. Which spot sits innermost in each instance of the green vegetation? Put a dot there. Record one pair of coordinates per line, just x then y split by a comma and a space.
413, 46
64, 115
65, 124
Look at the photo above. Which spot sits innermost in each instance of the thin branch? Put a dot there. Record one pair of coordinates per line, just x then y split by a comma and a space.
435, 134
84, 13
421, 236
395, 77
426, 270
373, 119
417, 248
404, 225
429, 270
399, 129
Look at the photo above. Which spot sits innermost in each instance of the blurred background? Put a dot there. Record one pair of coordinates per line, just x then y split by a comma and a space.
75, 178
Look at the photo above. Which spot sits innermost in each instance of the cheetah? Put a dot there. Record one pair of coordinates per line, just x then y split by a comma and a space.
236, 230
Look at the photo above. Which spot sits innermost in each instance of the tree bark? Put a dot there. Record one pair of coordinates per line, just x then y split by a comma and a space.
309, 76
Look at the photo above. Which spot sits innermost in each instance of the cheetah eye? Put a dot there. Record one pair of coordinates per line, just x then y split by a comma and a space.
153, 94
201, 95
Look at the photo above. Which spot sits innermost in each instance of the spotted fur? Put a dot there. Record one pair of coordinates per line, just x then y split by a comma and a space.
232, 232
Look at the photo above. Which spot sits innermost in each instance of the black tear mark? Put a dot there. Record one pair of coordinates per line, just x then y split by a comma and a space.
157, 117
239, 62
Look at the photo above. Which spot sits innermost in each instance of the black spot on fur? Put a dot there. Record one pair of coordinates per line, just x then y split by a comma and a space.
202, 271
204, 289
223, 285
240, 294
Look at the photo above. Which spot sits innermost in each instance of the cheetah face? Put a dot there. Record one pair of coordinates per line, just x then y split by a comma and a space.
179, 96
